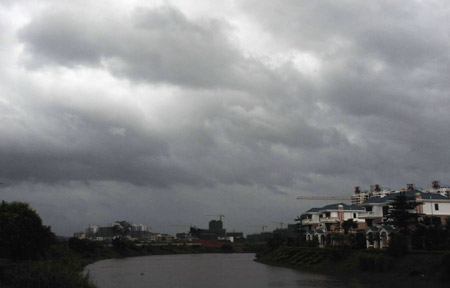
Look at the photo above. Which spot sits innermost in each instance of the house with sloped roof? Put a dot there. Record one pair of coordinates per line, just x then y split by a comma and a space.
318, 222
432, 205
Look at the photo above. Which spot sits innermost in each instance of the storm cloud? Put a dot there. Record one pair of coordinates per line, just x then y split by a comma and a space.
166, 111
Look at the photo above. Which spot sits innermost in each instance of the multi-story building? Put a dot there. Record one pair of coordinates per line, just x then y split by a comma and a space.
137, 231
444, 190
374, 205
318, 222
310, 219
430, 205
79, 235
376, 190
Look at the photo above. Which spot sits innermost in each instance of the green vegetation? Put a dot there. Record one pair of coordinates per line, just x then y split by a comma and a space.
400, 216
22, 235
32, 257
365, 268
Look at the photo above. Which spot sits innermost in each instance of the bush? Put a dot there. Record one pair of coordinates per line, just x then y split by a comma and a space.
226, 247
446, 262
398, 245
358, 240
339, 253
275, 242
22, 235
366, 262
383, 263
84, 246
45, 274
313, 243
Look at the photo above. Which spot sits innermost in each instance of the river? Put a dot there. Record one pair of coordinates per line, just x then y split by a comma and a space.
200, 270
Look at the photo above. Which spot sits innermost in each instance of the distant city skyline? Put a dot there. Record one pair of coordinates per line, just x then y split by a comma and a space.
163, 112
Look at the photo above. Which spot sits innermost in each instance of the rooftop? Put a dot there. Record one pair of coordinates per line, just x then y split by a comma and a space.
410, 194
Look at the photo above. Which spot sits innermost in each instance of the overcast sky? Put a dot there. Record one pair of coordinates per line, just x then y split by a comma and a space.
162, 112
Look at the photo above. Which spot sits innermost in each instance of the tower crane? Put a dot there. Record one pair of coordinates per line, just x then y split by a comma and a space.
281, 224
261, 226
220, 216
185, 226
323, 198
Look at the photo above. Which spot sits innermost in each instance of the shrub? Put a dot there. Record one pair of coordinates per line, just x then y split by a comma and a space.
339, 253
22, 235
46, 274
227, 247
383, 263
446, 262
366, 262
398, 245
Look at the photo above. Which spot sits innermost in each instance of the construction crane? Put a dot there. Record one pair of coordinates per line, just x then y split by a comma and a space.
281, 224
261, 226
323, 198
220, 216
185, 226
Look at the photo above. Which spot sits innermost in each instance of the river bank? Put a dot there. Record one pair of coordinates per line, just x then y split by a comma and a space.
365, 268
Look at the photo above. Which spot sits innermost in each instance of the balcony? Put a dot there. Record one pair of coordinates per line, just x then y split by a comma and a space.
329, 219
309, 221
369, 215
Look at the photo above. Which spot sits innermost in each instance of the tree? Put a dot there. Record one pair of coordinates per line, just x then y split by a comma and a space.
298, 225
403, 213
22, 235
349, 224
122, 228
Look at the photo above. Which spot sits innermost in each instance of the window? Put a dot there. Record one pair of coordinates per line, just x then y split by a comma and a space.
369, 208
385, 210
327, 214
354, 215
436, 207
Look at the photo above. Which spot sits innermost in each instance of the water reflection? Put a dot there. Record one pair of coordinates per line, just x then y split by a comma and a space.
204, 270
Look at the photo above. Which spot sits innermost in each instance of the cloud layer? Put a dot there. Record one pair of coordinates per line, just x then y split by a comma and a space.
238, 109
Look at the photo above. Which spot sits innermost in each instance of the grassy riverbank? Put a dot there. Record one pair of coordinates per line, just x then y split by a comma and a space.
365, 268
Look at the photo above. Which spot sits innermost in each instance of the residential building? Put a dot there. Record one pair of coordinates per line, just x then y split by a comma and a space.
431, 205
319, 222
444, 189
372, 210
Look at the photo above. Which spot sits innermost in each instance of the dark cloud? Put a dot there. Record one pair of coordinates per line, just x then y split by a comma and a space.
165, 108
83, 148
157, 45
